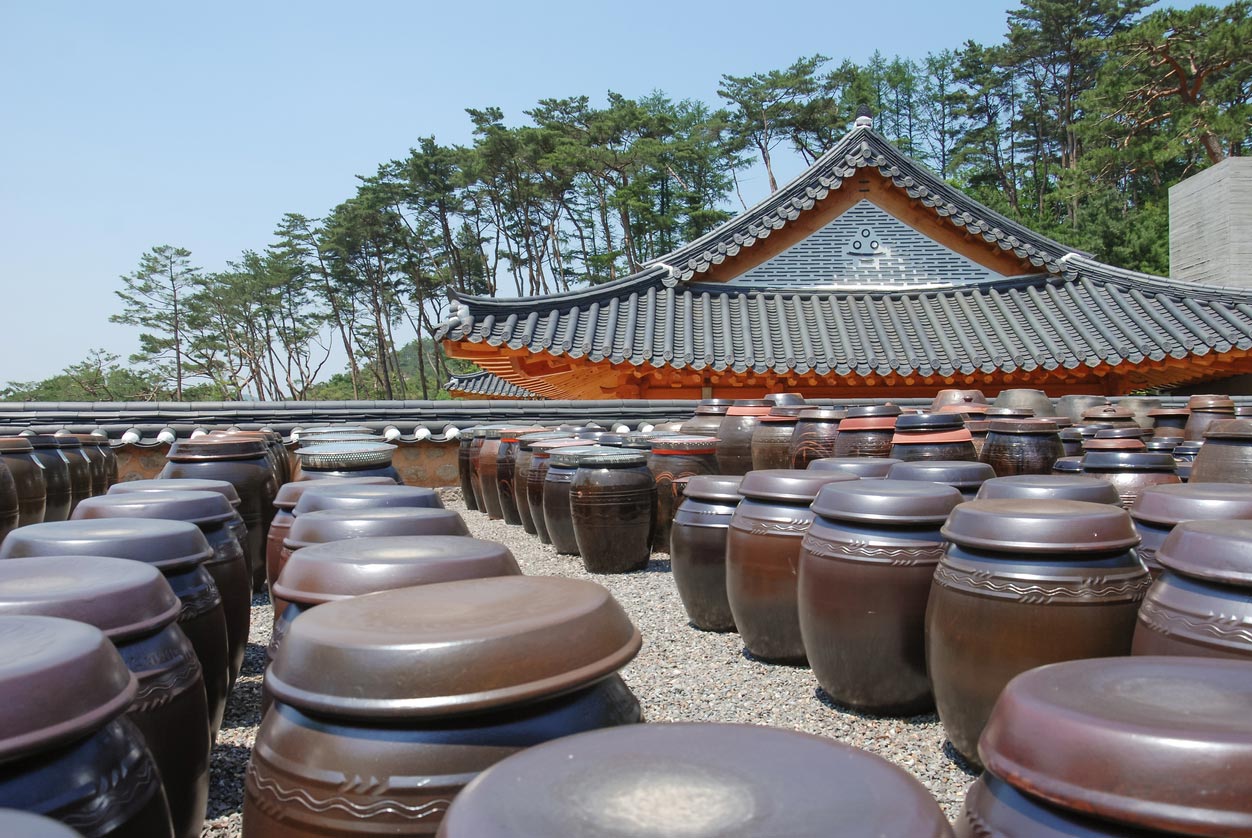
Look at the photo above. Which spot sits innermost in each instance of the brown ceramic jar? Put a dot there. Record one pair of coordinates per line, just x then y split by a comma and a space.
698, 549
521, 474
1073, 407
536, 481
734, 447
9, 509
1050, 487
228, 566
1140, 407
32, 490
956, 400
965, 476
56, 475
1225, 455
137, 610
771, 439
478, 436
1161, 508
672, 458
867, 431
1071, 442
96, 459
1170, 421
74, 759
814, 436
932, 436
1201, 604
223, 488
1131, 472
707, 419
345, 495
1110, 414
588, 784
1206, 411
79, 468
559, 477
1023, 584
1021, 398
1022, 446
347, 459
612, 501
108, 458
463, 470
866, 468
422, 688
1141, 746
865, 569
488, 459
1116, 439
506, 476
763, 556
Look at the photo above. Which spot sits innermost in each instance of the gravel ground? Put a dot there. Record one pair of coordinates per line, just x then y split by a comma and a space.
681, 674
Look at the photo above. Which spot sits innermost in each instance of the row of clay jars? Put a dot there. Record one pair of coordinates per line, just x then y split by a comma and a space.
43, 477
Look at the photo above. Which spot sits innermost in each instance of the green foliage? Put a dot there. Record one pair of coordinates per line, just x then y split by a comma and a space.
99, 377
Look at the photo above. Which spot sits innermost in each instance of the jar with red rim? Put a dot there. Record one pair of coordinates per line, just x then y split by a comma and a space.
866, 468
707, 419
521, 472
814, 435
1023, 584
734, 446
763, 554
56, 475
698, 549
966, 476
17, 453
867, 431
1022, 446
1207, 410
1162, 508
771, 439
536, 481
612, 501
562, 465
672, 458
1131, 471
932, 436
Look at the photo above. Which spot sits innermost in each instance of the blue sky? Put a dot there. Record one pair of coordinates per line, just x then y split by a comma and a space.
128, 125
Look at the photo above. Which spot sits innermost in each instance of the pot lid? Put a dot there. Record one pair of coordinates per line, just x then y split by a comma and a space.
527, 441
1215, 550
326, 572
15, 445
452, 647
723, 488
863, 467
958, 396
29, 825
1128, 461
180, 484
60, 680
87, 439
1025, 524
200, 508
887, 501
1169, 411
788, 484
289, 494
1097, 443
216, 448
1023, 426
607, 438
962, 474
822, 414
1230, 429
873, 410
512, 431
322, 430
604, 457
1189, 447
121, 597
1173, 503
1068, 465
169, 546
570, 457
1128, 432
337, 455
783, 399
693, 780
43, 441
321, 439
715, 402
1163, 443
1050, 487
1211, 402
993, 413
546, 447
929, 422
1157, 742
684, 444
785, 411
713, 409
368, 496
338, 524
751, 403
1108, 413
1090, 429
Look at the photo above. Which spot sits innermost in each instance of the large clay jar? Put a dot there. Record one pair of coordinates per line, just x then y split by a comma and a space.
707, 419
1050, 487
18, 454
672, 458
1111, 415
1141, 746
506, 473
137, 610
244, 464
612, 502
420, 689
965, 476
9, 509
56, 475
1022, 446
228, 566
79, 468
521, 474
1022, 398
1131, 472
1023, 584
588, 784
1161, 508
1140, 408
698, 549
1116, 439
347, 459
536, 481
1225, 455
866, 468
1071, 442
932, 436
98, 445
557, 480
65, 750
867, 431
771, 439
734, 447
96, 459
865, 570
488, 468
273, 457
1073, 407
463, 471
226, 490
956, 401
478, 436
1201, 605
1169, 421
814, 435
342, 495
763, 557
1205, 411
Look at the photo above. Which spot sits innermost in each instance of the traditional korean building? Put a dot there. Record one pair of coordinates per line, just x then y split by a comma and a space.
867, 275
484, 385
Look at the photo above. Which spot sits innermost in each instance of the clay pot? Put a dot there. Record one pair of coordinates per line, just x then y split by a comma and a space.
1161, 508
177, 549
784, 399
771, 439
613, 503
762, 558
673, 458
1071, 442
585, 785
137, 610
932, 436
357, 496
347, 459
734, 447
814, 435
1035, 401
1225, 456
698, 549
557, 480
8, 501
1074, 407
536, 481
1130, 471
496, 467
74, 759
865, 570
477, 439
521, 472
18, 454
79, 468
56, 475
1023, 584
1049, 487
1022, 446
955, 401
867, 431
1201, 604
1170, 421
463, 472
1205, 411
1116, 439
1110, 414
426, 687
110, 457
866, 468
97, 460
506, 475
1172, 737
707, 418
963, 475
1140, 408
489, 487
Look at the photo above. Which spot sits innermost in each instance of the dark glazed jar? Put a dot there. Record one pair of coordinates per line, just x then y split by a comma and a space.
137, 610
175, 548
108, 469
1023, 398
1187, 450
813, 783
223, 488
347, 459
1161, 508
1073, 407
771, 439
463, 471
74, 759
612, 502
1206, 411
978, 432
79, 467
1110, 414
1116, 439
1024, 584
1131, 472
562, 464
867, 431
734, 447
965, 476
866, 468
1170, 421
9, 510
96, 460
956, 401
932, 436
707, 419
1140, 408
421, 689
1201, 605
521, 475
1173, 745
865, 570
56, 476
1050, 487
477, 438
784, 399
1071, 442
18, 454
698, 549
488, 458
814, 436
1225, 455
1022, 446
506, 476
536, 480
763, 557
673, 458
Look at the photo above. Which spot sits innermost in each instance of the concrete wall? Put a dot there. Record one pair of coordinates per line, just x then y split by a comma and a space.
1210, 225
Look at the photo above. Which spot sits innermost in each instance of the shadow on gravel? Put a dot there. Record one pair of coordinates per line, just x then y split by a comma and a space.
959, 761
243, 708
253, 660
920, 719
751, 657
226, 770
657, 566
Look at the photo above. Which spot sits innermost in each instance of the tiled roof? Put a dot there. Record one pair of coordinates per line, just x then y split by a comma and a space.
486, 385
